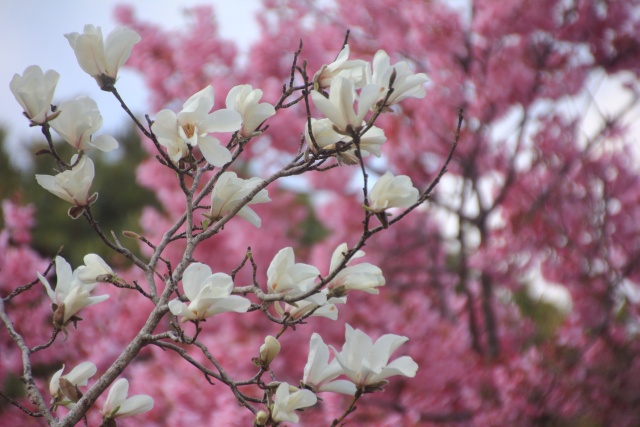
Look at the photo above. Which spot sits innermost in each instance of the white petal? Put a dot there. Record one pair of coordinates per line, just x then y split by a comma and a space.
249, 215
178, 308
213, 152
327, 108
340, 386
104, 143
118, 46
384, 346
54, 384
166, 125
233, 303
223, 120
81, 373
117, 395
135, 405
200, 103
404, 366
193, 278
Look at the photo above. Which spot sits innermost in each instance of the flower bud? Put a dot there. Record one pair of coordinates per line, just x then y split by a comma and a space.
261, 418
131, 234
269, 350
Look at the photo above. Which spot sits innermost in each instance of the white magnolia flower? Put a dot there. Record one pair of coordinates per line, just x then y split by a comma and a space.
392, 192
94, 267
192, 125
323, 307
269, 350
72, 185
287, 403
367, 363
327, 138
70, 295
209, 294
64, 388
79, 119
405, 85
118, 406
319, 374
244, 99
285, 276
354, 70
323, 134
34, 91
339, 107
230, 191
100, 58
362, 277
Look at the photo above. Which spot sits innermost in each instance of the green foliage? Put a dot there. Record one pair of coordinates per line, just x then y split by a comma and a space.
312, 230
118, 207
10, 177
545, 316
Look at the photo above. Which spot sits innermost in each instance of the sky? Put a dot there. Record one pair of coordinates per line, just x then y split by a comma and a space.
33, 34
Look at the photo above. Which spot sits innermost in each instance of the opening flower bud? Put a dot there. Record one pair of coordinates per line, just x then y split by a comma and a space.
261, 418
269, 350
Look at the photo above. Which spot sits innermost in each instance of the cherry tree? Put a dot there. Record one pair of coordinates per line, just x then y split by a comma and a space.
534, 202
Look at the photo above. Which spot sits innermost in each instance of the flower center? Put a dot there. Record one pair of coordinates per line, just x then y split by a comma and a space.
189, 129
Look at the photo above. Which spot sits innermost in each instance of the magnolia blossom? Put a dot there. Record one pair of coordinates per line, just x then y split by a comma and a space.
367, 363
405, 85
79, 119
362, 277
64, 388
209, 294
319, 374
244, 99
72, 185
285, 276
339, 107
327, 138
34, 91
318, 303
94, 267
286, 402
392, 192
354, 70
230, 191
70, 295
99, 58
117, 405
192, 125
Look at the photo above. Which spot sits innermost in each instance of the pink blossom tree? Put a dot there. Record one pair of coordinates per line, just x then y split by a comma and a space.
533, 199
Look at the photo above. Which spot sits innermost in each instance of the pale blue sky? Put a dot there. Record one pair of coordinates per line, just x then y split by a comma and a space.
33, 33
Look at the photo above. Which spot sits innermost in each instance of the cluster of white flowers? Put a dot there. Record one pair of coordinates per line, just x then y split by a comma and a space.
380, 86
364, 363
76, 120
288, 278
357, 93
192, 125
65, 392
